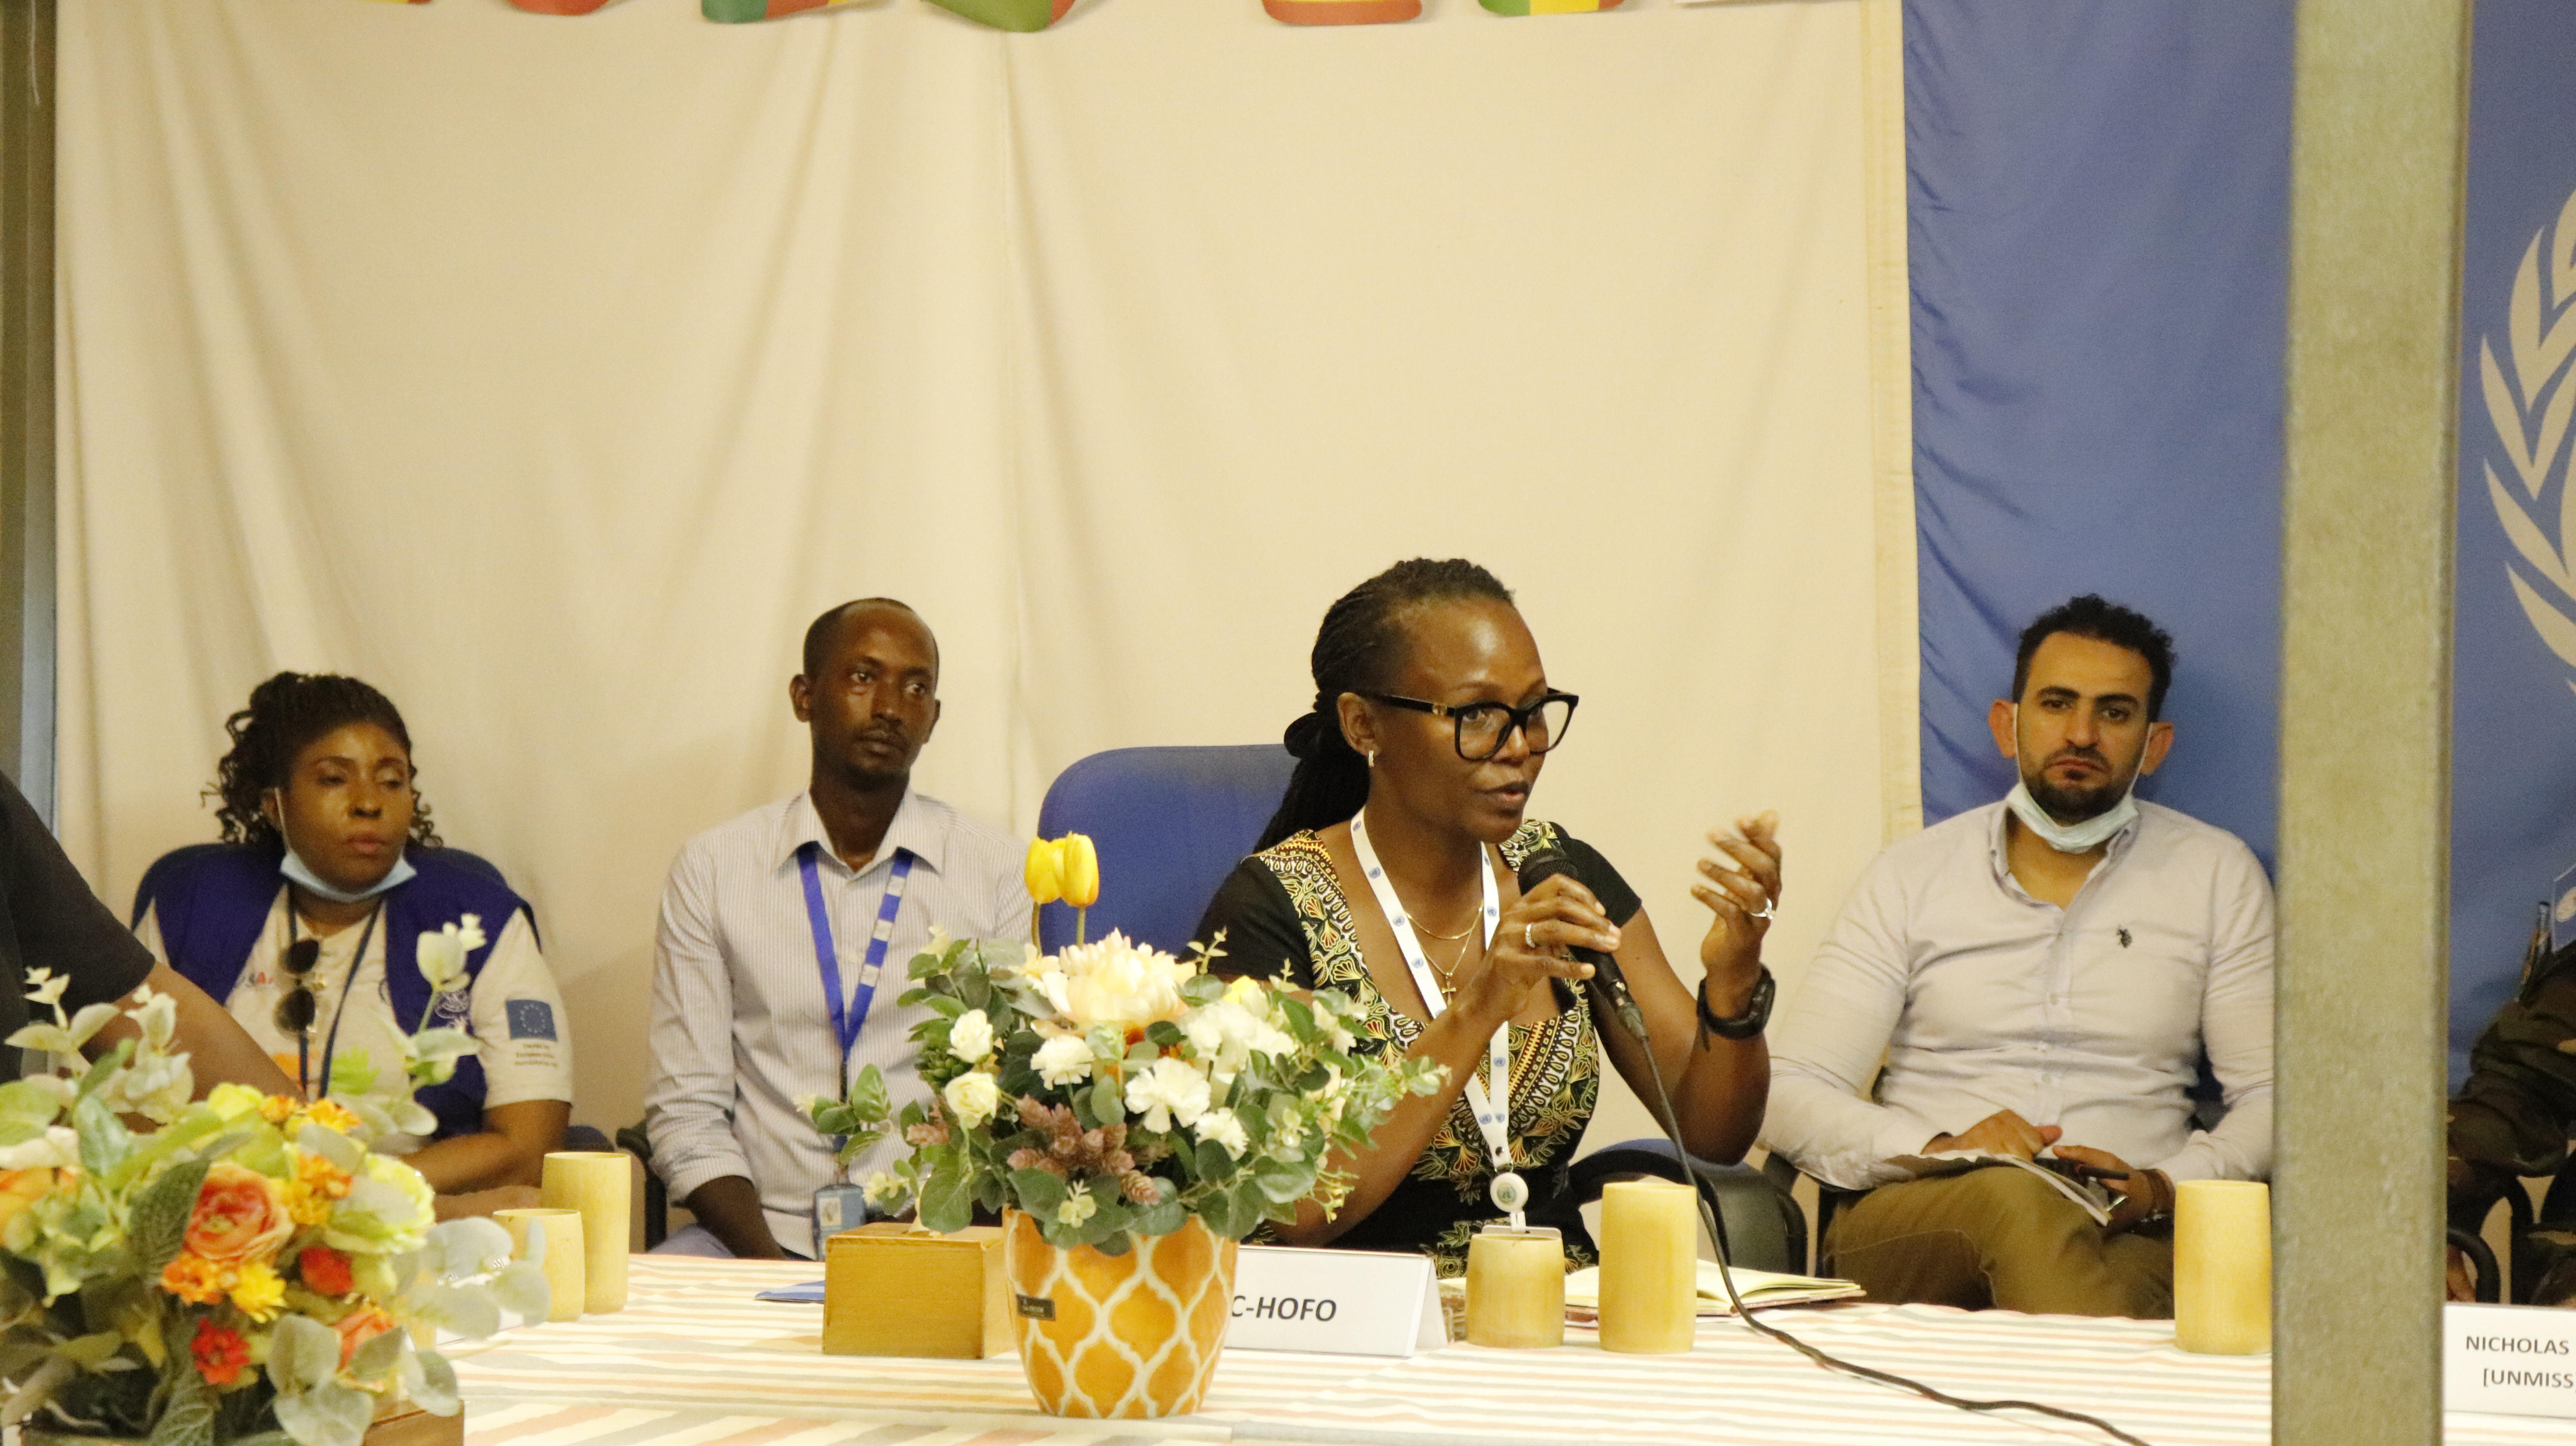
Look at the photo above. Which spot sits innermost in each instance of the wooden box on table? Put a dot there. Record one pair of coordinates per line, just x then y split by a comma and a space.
895, 1289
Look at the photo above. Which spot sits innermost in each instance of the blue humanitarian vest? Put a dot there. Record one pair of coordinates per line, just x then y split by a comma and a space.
212, 903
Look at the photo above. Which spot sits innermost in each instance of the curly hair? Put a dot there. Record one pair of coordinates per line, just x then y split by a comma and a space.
1357, 650
2090, 616
286, 714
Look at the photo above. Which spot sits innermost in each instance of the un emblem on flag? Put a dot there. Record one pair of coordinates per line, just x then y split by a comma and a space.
2529, 395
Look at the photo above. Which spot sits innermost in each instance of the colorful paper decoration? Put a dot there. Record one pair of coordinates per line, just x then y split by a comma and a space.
1549, 7
742, 12
1342, 12
1023, 16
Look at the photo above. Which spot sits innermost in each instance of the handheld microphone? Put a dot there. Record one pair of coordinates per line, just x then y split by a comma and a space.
1609, 987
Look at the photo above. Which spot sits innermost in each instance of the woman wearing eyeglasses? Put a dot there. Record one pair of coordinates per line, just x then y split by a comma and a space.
1390, 872
306, 922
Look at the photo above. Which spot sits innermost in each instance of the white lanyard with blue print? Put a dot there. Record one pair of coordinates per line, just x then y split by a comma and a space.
1493, 1119
848, 1019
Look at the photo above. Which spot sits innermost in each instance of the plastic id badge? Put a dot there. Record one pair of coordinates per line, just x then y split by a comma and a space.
837, 1208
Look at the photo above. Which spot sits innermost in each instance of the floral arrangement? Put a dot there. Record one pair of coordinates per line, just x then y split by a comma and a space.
430, 1051
1112, 1090
242, 1272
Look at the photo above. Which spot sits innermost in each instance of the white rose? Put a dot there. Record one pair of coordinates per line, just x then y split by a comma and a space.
1221, 1126
973, 1097
971, 1037
1168, 1090
1063, 1060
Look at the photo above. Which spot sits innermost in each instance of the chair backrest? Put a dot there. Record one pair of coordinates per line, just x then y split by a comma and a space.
1169, 823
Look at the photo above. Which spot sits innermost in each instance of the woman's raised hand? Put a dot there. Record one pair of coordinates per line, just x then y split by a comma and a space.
1530, 945
1740, 890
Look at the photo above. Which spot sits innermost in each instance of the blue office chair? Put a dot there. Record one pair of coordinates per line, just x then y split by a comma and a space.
1170, 824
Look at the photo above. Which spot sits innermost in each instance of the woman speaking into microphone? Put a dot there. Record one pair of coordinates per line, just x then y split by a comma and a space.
1392, 872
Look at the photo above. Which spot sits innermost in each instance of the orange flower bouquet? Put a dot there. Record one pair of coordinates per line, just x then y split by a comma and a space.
240, 1272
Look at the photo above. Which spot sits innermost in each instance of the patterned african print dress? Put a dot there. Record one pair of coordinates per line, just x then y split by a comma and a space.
1285, 915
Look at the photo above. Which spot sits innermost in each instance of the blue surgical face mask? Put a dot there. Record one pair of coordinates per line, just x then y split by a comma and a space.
2070, 838
296, 869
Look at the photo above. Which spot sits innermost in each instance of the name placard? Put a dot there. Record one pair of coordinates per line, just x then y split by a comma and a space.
2512, 1360
1340, 1302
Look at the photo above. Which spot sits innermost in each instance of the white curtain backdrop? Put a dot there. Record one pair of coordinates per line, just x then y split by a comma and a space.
551, 374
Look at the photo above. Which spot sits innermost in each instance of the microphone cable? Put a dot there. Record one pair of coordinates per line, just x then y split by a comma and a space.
1726, 1273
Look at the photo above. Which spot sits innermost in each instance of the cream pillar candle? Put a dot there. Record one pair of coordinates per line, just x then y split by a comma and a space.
594, 1182
1649, 1266
2223, 1267
1516, 1287
554, 1238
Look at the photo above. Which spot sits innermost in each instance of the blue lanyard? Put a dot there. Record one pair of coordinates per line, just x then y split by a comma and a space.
847, 1021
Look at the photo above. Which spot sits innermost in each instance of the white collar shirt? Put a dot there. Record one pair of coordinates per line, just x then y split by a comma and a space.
1981, 998
741, 1033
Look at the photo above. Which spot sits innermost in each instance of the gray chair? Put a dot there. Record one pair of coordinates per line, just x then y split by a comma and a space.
1760, 1227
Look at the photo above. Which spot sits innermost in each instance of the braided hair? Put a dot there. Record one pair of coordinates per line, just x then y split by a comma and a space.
1359, 649
286, 714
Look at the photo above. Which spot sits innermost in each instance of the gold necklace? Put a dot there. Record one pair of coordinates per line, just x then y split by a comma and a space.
1448, 977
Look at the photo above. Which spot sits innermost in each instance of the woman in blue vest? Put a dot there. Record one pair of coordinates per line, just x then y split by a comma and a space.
305, 921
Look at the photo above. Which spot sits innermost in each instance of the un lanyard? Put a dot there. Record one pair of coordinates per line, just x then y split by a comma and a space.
848, 1019
1492, 1119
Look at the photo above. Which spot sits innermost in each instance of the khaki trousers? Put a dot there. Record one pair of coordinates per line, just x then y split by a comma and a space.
1997, 1238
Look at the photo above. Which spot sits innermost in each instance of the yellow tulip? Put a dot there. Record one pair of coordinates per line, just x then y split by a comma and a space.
1079, 866
1044, 874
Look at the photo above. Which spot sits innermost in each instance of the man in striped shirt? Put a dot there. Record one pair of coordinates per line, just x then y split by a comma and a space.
785, 934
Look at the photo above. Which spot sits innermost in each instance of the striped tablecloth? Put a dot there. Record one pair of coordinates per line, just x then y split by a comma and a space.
695, 1361
693, 1338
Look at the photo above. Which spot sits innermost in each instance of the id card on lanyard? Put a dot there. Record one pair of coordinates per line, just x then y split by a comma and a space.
850, 1017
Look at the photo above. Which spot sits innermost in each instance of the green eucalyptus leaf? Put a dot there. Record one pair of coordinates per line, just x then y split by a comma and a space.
1161, 1219
302, 1354
24, 1101
1106, 1106
1212, 1162
330, 1415
104, 1140
431, 1381
1039, 1191
1164, 1034
382, 1354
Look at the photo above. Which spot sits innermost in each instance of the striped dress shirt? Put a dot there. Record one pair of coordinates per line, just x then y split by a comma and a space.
740, 1029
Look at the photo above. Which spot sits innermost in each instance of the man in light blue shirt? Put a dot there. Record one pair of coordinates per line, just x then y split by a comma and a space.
751, 1014
2042, 977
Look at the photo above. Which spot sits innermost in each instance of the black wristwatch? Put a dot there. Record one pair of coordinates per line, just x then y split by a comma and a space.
1757, 1010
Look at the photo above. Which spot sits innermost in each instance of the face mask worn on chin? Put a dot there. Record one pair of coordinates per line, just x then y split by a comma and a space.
297, 870
2071, 838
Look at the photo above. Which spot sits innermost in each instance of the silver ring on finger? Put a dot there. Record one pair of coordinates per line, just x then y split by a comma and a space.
1529, 939
1769, 909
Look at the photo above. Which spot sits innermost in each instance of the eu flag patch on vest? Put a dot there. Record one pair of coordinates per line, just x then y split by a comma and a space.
531, 1019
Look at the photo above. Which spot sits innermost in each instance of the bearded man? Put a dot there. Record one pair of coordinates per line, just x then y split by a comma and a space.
2043, 977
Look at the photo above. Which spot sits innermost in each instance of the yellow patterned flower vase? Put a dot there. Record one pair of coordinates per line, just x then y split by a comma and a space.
1119, 1336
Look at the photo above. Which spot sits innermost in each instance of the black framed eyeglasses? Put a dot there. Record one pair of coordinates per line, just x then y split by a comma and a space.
1482, 727
296, 1012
